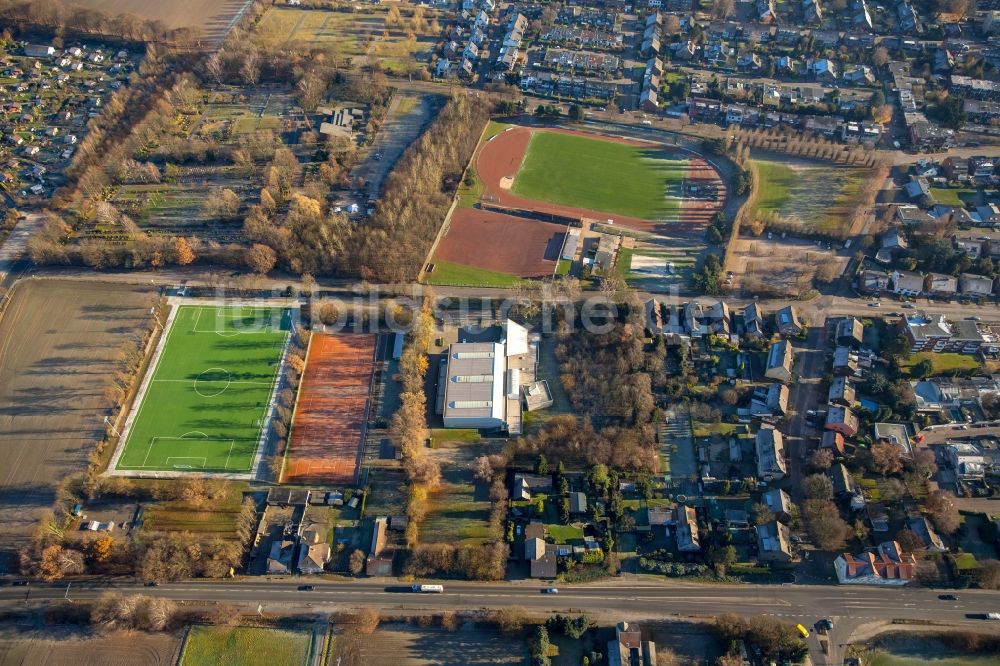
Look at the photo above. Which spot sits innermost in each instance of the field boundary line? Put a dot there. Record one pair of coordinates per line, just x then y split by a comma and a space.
140, 397
270, 411
298, 397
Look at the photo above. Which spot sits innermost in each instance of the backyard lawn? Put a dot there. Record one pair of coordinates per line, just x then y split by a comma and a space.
942, 364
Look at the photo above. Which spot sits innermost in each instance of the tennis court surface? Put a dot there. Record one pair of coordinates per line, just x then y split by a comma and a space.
207, 401
332, 410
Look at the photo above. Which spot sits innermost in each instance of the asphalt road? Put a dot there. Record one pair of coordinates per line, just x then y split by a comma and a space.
627, 598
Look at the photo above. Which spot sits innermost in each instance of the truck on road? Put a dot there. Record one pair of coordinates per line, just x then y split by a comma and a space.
427, 588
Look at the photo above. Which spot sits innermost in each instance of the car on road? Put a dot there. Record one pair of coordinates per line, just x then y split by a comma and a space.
803, 632
21, 583
974, 318
908, 306
306, 588
152, 583
947, 597
550, 590
824, 625
378, 157
876, 304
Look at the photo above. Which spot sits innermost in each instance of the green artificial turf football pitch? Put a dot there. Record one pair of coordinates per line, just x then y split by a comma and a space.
207, 401
606, 176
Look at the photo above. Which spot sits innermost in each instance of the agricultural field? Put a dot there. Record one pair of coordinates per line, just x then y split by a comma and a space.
214, 17
206, 400
817, 196
352, 36
405, 645
21, 647
614, 177
59, 349
235, 646
331, 413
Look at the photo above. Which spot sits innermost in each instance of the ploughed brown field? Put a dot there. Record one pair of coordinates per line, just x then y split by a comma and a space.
59, 341
212, 16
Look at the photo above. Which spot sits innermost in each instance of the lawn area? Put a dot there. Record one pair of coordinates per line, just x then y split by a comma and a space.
564, 534
948, 196
447, 273
943, 364
454, 515
208, 396
460, 435
709, 429
600, 175
233, 646
773, 183
623, 265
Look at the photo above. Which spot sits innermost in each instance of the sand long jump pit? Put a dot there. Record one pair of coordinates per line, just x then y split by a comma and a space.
205, 404
331, 413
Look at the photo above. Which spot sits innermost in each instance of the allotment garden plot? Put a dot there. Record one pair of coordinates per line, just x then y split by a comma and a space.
207, 401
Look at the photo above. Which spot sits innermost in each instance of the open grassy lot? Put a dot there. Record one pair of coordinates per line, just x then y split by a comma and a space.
447, 273
600, 175
920, 649
59, 347
942, 364
207, 400
348, 35
231, 646
818, 196
212, 16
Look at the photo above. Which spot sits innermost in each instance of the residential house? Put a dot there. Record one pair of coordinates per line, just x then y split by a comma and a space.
911, 216
843, 484
780, 504
812, 12
541, 557
842, 420
39, 51
577, 503
628, 648
774, 543
841, 392
873, 282
770, 451
787, 321
887, 566
834, 441
956, 168
314, 553
686, 529
975, 286
940, 285
845, 362
861, 75
823, 69
850, 332
907, 283
878, 516
779, 362
896, 434
971, 246
777, 399
922, 527
966, 459
753, 321
527, 484
279, 560
379, 563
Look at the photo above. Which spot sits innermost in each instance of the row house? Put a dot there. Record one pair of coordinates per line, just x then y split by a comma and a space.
966, 86
937, 334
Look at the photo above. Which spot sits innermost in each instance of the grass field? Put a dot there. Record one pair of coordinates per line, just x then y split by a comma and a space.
206, 402
818, 197
954, 196
447, 273
600, 175
942, 364
233, 646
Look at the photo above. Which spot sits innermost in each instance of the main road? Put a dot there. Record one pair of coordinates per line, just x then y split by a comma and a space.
623, 598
